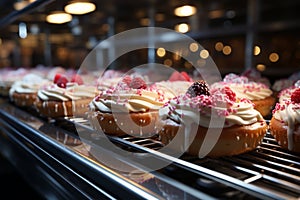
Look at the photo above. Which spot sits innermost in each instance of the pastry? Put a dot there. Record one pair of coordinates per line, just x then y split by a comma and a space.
8, 77
64, 97
259, 93
197, 116
284, 125
129, 108
23, 93
286, 93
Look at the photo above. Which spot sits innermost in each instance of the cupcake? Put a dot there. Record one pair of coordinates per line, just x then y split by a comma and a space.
192, 121
8, 77
287, 92
285, 122
129, 108
280, 85
23, 93
64, 97
259, 93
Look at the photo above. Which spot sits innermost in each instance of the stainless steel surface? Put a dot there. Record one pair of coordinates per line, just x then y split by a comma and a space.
268, 172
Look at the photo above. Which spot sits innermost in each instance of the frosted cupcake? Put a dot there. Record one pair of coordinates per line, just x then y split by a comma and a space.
190, 117
65, 97
259, 93
285, 123
23, 93
129, 108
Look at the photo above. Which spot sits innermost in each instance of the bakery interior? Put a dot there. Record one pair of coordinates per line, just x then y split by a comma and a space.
48, 160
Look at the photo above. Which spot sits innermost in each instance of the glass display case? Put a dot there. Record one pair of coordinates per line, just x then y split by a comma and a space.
60, 163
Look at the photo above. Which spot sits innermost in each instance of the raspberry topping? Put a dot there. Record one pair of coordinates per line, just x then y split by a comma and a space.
127, 79
186, 76
60, 80
138, 83
198, 88
296, 96
77, 79
179, 76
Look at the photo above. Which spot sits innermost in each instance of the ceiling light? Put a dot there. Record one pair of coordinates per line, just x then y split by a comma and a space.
58, 17
182, 28
80, 7
185, 11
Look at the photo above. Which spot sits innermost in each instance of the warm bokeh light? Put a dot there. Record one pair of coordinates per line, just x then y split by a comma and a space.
256, 50
204, 54
160, 17
273, 57
80, 8
219, 46
227, 50
145, 21
161, 52
194, 47
188, 65
176, 56
182, 28
168, 62
261, 67
59, 18
185, 11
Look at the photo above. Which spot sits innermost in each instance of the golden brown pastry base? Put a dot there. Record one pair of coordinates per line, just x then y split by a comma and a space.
264, 106
118, 124
232, 141
23, 99
55, 109
279, 131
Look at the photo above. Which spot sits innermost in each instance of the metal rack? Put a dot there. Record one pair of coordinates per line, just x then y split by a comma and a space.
268, 172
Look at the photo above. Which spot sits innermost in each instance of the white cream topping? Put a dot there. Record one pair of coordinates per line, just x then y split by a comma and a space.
30, 83
129, 100
250, 90
286, 94
174, 87
201, 109
73, 91
289, 113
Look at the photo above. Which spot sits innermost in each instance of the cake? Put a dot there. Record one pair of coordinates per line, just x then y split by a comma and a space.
64, 97
7, 78
286, 93
129, 108
285, 122
192, 121
259, 93
23, 93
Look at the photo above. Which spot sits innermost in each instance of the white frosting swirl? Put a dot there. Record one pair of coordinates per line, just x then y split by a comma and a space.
174, 87
200, 110
73, 91
129, 100
250, 90
286, 94
30, 83
289, 113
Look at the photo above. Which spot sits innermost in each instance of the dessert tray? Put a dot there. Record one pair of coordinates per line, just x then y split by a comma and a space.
52, 150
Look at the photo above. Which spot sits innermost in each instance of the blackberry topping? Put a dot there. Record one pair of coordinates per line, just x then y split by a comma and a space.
198, 88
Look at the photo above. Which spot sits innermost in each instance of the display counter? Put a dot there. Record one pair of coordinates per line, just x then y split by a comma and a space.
59, 164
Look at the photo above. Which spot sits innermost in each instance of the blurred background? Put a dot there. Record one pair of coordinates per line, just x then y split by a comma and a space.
238, 35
